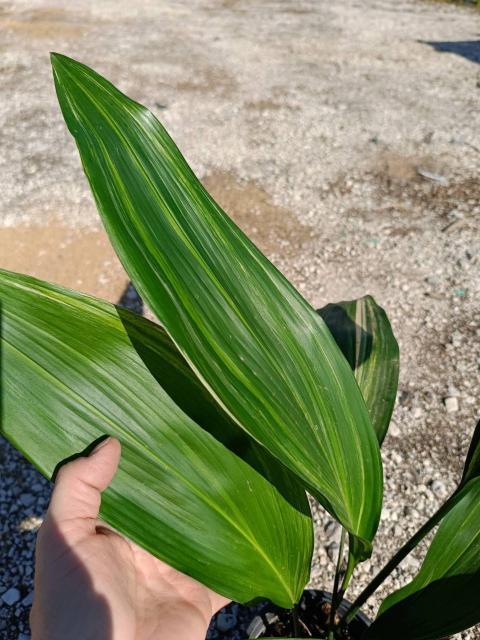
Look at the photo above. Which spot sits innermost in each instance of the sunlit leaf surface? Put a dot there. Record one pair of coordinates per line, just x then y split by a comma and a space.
206, 499
254, 342
364, 334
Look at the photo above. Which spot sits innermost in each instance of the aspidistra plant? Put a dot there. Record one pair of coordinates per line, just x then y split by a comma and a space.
257, 354
242, 398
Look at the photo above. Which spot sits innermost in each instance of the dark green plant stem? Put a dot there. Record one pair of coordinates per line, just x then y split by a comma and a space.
397, 558
351, 564
296, 622
335, 593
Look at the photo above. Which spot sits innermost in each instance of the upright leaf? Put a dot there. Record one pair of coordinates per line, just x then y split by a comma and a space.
213, 505
444, 597
255, 343
364, 334
471, 468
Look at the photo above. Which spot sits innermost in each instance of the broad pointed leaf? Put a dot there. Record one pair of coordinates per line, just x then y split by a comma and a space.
444, 597
254, 342
74, 368
364, 334
471, 468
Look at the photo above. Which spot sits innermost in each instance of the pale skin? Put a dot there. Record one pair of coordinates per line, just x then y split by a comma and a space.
93, 584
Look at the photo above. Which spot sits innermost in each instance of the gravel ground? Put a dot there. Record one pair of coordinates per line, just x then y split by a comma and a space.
344, 137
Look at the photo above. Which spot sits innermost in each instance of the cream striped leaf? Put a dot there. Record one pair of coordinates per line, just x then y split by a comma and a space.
471, 468
253, 341
443, 599
364, 334
193, 489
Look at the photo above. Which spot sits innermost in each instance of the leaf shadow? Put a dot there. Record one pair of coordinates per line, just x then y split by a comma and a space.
346, 333
68, 588
174, 375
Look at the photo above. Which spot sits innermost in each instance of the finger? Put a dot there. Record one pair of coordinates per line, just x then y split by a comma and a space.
78, 487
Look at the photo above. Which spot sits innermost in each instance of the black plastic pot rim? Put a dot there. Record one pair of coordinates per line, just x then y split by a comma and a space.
313, 598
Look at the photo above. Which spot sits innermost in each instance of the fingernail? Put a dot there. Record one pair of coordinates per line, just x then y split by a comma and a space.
100, 445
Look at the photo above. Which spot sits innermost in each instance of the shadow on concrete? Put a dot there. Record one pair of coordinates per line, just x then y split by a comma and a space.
131, 300
469, 49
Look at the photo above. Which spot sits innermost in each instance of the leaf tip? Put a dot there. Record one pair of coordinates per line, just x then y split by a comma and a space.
58, 60
63, 66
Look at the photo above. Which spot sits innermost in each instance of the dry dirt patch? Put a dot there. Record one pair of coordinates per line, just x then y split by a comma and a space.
208, 81
84, 259
270, 226
78, 259
45, 22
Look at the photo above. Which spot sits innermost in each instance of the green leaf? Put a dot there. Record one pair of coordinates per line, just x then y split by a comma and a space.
443, 598
471, 468
364, 334
214, 505
253, 341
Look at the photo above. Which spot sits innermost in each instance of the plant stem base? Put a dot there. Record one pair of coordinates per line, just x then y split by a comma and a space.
313, 617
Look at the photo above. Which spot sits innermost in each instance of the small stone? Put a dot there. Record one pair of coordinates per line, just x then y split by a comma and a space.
452, 390
331, 528
404, 397
394, 430
23, 636
11, 596
456, 339
332, 550
32, 523
28, 600
27, 499
411, 563
271, 617
451, 404
417, 413
396, 458
256, 627
226, 621
438, 487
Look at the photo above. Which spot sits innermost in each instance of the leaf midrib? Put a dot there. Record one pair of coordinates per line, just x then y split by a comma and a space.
171, 469
227, 297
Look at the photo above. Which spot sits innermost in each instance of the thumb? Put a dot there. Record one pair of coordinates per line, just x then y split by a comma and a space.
78, 487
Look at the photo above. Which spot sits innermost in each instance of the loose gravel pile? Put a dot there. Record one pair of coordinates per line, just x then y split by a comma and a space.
344, 137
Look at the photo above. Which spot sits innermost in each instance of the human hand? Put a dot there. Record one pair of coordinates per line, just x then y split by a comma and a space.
93, 584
